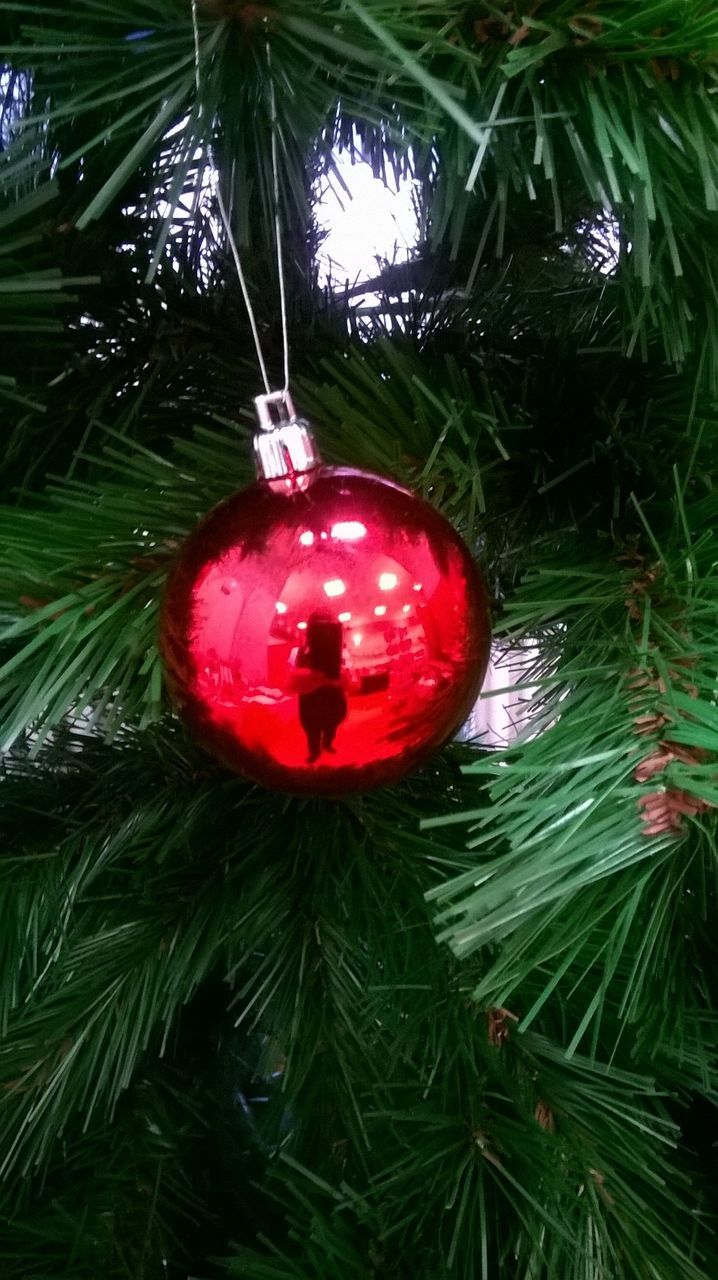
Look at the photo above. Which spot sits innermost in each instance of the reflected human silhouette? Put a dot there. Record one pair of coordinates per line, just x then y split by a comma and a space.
318, 679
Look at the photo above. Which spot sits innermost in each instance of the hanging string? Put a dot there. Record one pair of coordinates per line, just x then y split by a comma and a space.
277, 221
243, 283
228, 226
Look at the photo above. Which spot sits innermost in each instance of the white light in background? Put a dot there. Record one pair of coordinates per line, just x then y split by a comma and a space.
600, 241
15, 92
377, 223
504, 707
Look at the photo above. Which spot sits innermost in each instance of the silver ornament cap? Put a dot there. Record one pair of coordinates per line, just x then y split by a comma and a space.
284, 449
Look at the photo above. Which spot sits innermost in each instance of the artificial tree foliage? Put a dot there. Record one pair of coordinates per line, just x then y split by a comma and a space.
463, 1028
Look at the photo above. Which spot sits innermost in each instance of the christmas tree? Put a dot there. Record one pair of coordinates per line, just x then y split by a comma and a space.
459, 1027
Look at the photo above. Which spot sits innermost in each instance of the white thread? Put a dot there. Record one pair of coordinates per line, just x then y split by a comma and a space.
243, 283
277, 223
228, 227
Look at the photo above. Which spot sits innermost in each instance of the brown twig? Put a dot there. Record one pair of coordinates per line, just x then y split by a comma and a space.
498, 1024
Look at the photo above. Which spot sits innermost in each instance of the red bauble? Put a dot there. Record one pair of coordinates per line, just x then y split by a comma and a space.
325, 640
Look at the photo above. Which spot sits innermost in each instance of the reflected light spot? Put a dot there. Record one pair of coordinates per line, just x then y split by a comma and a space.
334, 587
357, 639
387, 581
380, 610
301, 626
407, 608
344, 617
306, 538
417, 586
349, 530
281, 608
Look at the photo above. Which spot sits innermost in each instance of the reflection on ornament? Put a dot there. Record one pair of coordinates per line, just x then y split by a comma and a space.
267, 678
348, 530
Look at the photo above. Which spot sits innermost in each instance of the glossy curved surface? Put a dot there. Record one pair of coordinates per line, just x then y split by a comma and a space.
325, 641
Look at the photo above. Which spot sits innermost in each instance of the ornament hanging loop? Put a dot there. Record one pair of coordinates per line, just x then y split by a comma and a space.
275, 409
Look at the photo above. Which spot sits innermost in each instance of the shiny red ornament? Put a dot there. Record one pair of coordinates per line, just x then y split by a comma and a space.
324, 637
